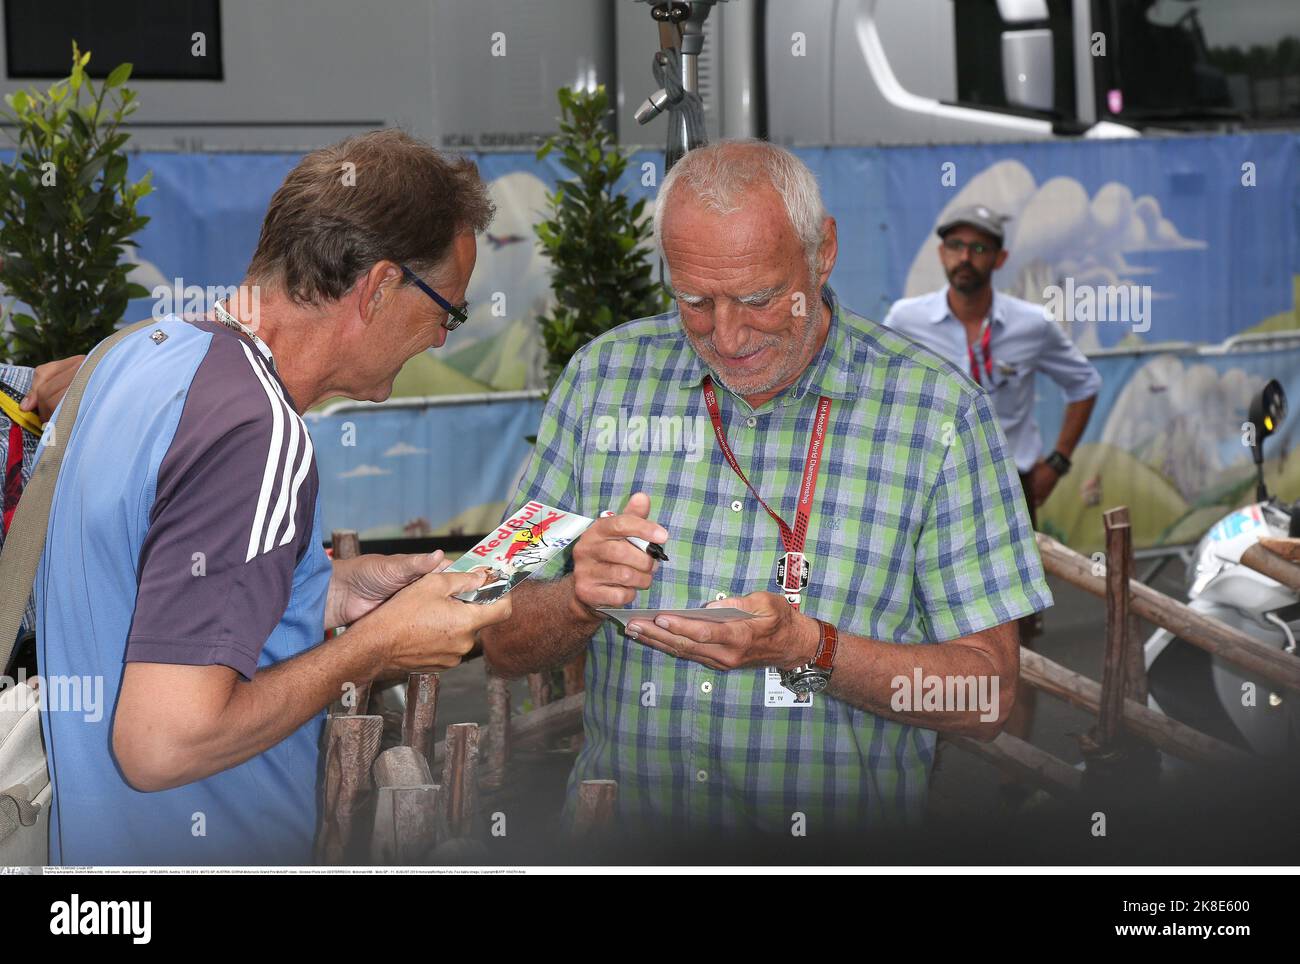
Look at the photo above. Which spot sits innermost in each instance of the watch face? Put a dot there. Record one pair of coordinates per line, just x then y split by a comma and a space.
805, 680
817, 681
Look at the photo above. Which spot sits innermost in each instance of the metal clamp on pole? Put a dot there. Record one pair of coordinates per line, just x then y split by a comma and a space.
676, 70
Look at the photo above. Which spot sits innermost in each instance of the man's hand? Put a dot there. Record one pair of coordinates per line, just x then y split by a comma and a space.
360, 584
49, 383
423, 628
1042, 480
777, 636
175, 724
607, 569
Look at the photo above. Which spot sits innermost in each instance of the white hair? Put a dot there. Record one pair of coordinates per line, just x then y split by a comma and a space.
721, 174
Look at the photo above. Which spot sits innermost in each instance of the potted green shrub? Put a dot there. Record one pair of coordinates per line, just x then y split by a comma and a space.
596, 237
67, 214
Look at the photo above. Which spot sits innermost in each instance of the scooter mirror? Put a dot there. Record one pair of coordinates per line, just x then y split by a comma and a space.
1266, 412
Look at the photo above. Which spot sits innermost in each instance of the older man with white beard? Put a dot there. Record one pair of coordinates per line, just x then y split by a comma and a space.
855, 499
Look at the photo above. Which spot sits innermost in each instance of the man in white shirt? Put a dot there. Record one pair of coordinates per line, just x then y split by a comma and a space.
1002, 343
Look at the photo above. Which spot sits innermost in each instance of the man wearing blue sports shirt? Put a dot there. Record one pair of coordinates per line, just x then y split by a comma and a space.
184, 564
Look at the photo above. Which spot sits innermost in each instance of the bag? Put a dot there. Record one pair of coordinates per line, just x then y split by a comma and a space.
25, 789
24, 804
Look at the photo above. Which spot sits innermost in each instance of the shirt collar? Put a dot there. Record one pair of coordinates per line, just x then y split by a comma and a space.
224, 317
940, 311
830, 373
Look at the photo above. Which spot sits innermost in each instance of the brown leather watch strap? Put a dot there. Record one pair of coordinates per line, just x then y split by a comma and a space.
825, 658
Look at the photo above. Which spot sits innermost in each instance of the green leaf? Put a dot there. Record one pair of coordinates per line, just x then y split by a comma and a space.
118, 76
79, 125
64, 244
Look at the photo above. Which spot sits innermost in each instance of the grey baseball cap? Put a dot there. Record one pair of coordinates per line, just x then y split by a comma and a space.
977, 216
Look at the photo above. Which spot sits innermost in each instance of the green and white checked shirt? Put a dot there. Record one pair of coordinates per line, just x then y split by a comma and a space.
918, 534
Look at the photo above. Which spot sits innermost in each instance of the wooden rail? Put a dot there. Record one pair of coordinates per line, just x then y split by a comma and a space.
1126, 725
1165, 733
1266, 561
1204, 632
1024, 761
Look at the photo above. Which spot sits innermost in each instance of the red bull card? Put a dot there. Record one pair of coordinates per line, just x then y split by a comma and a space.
522, 544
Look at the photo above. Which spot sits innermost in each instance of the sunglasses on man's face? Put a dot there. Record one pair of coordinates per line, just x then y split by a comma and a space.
457, 315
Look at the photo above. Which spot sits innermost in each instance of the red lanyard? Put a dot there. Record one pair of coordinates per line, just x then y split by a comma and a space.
986, 337
792, 538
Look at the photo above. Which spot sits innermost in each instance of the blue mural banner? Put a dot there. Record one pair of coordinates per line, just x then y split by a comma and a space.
1210, 224
1199, 234
444, 467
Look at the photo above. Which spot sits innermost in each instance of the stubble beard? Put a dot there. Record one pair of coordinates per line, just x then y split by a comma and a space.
975, 283
793, 356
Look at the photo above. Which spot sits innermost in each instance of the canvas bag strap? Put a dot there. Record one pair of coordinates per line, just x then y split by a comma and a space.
26, 540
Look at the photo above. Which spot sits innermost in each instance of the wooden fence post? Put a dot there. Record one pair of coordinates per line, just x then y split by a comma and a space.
421, 713
346, 544
594, 814
406, 824
498, 733
573, 674
407, 809
1113, 757
1119, 560
573, 683
539, 689
460, 778
351, 744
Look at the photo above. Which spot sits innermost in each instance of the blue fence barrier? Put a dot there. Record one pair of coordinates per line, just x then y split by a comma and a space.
1207, 227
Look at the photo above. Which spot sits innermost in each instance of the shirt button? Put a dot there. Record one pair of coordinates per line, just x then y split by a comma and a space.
751, 421
719, 595
706, 687
737, 506
701, 776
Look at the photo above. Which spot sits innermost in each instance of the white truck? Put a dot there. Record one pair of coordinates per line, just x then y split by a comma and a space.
240, 75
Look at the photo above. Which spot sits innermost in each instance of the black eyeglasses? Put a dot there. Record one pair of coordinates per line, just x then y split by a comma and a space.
957, 246
457, 315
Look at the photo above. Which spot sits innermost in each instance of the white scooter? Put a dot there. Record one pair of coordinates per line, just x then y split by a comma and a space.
1201, 690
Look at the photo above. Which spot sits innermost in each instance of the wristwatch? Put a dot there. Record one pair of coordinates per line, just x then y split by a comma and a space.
1059, 463
815, 676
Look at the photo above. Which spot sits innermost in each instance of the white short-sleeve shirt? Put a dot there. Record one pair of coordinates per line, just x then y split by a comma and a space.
1024, 340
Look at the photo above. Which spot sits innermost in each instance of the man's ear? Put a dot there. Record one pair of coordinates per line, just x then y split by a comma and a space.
376, 288
828, 252
1001, 259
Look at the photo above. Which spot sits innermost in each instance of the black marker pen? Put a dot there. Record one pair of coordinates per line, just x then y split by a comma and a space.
651, 549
